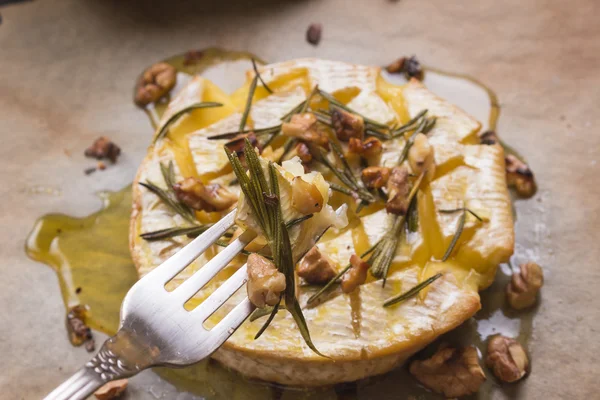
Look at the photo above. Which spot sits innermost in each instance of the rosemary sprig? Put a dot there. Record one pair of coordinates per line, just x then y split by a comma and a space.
459, 228
410, 125
413, 216
263, 198
258, 132
411, 292
168, 196
164, 130
173, 232
424, 126
260, 77
385, 248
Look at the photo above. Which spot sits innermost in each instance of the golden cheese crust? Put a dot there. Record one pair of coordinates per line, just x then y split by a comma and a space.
361, 337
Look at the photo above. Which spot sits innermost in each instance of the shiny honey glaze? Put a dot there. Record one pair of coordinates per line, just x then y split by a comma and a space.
91, 257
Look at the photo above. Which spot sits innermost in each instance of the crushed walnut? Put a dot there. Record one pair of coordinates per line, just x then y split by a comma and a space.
398, 189
265, 282
409, 66
369, 148
79, 332
154, 83
520, 176
451, 372
356, 275
304, 127
506, 358
237, 144
347, 125
315, 267
313, 34
420, 156
375, 177
306, 197
303, 152
103, 148
112, 390
522, 290
198, 196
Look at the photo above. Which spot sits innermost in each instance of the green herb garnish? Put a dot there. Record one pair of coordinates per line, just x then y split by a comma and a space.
190, 231
260, 77
263, 198
164, 130
459, 228
411, 292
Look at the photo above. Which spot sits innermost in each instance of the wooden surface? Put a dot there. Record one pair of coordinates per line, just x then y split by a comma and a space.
66, 73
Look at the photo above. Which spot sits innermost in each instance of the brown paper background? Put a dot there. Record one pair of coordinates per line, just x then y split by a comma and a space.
66, 72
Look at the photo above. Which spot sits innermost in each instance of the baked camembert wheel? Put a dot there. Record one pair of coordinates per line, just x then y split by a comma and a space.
375, 144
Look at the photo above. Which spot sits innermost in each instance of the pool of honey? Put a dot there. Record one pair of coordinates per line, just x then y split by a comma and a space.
91, 258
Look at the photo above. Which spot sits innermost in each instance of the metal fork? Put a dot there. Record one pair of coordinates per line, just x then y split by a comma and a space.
155, 329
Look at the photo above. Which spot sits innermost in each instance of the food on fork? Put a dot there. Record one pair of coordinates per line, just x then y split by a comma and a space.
427, 206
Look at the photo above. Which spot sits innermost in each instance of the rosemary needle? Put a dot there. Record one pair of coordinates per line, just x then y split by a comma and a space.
459, 228
411, 292
165, 128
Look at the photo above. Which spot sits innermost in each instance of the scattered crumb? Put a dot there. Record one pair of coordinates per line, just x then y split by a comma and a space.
313, 34
111, 390
67, 152
79, 332
89, 171
101, 166
78, 290
103, 148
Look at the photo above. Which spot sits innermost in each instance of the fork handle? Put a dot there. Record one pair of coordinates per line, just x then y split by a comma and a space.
104, 367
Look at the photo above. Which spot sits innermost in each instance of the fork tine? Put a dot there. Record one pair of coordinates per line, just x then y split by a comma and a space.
220, 296
225, 328
201, 277
176, 263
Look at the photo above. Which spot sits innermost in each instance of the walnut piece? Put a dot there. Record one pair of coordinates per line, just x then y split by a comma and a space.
236, 145
375, 177
356, 275
370, 148
313, 34
506, 358
420, 156
303, 153
103, 148
78, 331
154, 83
409, 66
315, 267
212, 197
451, 372
522, 290
489, 137
347, 125
398, 188
304, 127
519, 176
265, 282
306, 197
112, 390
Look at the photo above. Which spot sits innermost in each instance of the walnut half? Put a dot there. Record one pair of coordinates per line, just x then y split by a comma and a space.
452, 372
506, 358
154, 83
524, 286
265, 282
398, 189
